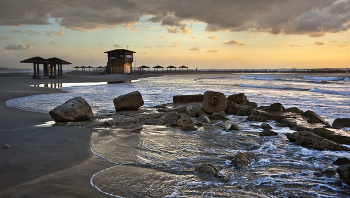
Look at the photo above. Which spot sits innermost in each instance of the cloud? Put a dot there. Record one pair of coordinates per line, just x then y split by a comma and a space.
291, 45
134, 28
195, 49
172, 30
160, 37
319, 43
185, 30
5, 38
193, 37
149, 37
234, 42
176, 44
211, 51
160, 46
52, 43
320, 34
29, 32
19, 47
212, 37
117, 46
171, 21
152, 27
62, 32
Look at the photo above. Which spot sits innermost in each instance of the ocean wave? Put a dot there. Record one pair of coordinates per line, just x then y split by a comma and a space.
272, 87
329, 91
318, 79
346, 79
258, 77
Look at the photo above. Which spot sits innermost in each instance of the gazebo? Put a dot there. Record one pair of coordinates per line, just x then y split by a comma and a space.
171, 67
77, 67
143, 67
157, 67
59, 62
36, 62
182, 68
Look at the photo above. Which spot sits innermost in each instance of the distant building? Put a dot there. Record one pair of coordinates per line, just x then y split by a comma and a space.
119, 61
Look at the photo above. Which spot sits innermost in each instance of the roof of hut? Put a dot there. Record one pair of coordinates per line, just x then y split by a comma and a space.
36, 59
58, 61
144, 66
171, 66
183, 66
158, 66
120, 50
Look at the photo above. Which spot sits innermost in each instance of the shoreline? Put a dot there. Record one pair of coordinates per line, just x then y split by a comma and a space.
46, 160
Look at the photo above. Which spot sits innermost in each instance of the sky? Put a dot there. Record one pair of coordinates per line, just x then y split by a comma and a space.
203, 34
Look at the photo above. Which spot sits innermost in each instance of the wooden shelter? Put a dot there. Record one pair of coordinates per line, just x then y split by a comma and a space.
157, 67
182, 68
49, 65
143, 67
119, 61
170, 67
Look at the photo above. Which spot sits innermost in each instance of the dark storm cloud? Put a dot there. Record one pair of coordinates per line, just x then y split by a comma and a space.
274, 16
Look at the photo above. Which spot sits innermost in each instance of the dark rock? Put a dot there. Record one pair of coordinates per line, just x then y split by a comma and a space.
186, 124
314, 118
214, 102
259, 118
294, 110
75, 109
154, 122
106, 124
265, 126
243, 112
170, 117
242, 160
268, 133
341, 161
327, 173
203, 118
344, 173
309, 139
231, 108
187, 98
194, 110
275, 107
281, 125
235, 127
238, 98
255, 147
130, 101
218, 116
211, 170
340, 138
231, 111
341, 122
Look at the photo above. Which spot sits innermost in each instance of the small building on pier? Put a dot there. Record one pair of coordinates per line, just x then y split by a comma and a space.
119, 61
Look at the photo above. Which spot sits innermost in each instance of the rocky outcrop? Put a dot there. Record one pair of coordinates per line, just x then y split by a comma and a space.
314, 118
344, 173
187, 98
170, 117
331, 134
211, 170
75, 109
309, 139
268, 132
275, 107
185, 124
194, 110
242, 160
238, 98
341, 122
130, 101
341, 161
214, 102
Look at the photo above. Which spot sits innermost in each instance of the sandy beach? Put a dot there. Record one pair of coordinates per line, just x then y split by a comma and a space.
45, 160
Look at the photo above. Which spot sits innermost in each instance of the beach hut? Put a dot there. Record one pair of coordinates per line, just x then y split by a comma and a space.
119, 61
89, 67
53, 62
170, 67
36, 62
157, 67
182, 68
76, 67
143, 67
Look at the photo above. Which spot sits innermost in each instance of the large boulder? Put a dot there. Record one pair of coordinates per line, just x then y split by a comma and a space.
309, 139
275, 107
214, 102
242, 160
314, 118
75, 109
341, 122
344, 173
187, 98
238, 98
130, 101
211, 170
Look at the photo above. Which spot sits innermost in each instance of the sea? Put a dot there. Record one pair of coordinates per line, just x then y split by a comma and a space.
160, 161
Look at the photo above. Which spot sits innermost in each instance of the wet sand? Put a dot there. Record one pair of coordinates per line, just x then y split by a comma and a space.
45, 160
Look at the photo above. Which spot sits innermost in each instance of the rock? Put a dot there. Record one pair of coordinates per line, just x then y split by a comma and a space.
327, 173
203, 118
344, 173
194, 110
235, 127
259, 118
130, 101
154, 122
341, 161
340, 138
314, 118
265, 126
238, 98
170, 117
211, 170
341, 122
309, 139
275, 107
218, 116
106, 124
75, 109
6, 146
187, 98
268, 133
294, 110
214, 102
242, 160
186, 124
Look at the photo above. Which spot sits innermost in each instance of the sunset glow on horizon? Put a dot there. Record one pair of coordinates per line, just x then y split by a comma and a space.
203, 34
